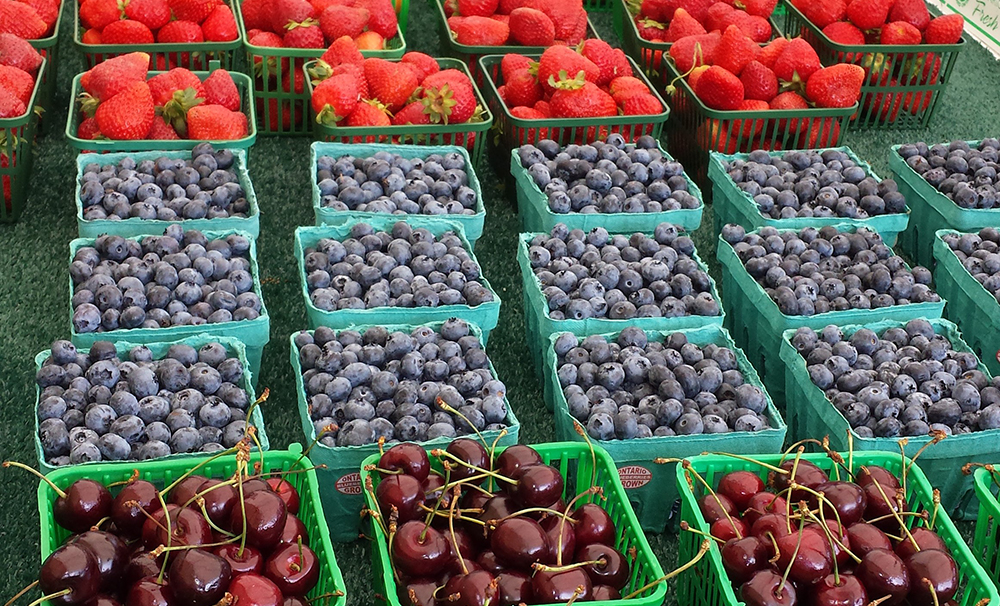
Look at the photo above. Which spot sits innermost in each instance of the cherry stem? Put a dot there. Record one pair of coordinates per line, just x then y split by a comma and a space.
593, 454
687, 527
777, 550
131, 478
493, 449
243, 506
688, 469
148, 515
840, 544
190, 472
391, 536
850, 452
579, 591
548, 510
879, 601
822, 499
754, 461
170, 535
902, 442
162, 549
381, 445
385, 472
21, 593
538, 567
887, 516
791, 479
297, 566
437, 503
305, 453
325, 596
930, 585
562, 521
20, 465
459, 516
937, 506
938, 436
795, 553
896, 515
702, 550
448, 408
451, 530
437, 452
51, 596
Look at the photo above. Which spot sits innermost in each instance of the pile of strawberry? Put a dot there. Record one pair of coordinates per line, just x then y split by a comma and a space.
19, 63
524, 22
317, 23
29, 19
881, 22
671, 20
593, 81
157, 21
119, 103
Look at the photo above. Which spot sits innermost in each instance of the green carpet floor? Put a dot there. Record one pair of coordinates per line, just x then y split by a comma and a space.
34, 293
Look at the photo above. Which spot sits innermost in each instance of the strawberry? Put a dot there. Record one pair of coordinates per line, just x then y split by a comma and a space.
735, 50
91, 36
797, 62
683, 24
611, 61
221, 90
128, 115
286, 12
220, 25
370, 41
95, 13
193, 10
560, 58
790, 100
843, 32
343, 50
186, 32
758, 8
277, 115
479, 31
532, 27
17, 52
10, 105
267, 39
480, 8
822, 132
391, 84
510, 63
215, 123
48, 10
531, 113
382, 17
823, 12
413, 113
506, 7
521, 89
569, 17
335, 98
658, 10
154, 14
770, 53
868, 14
626, 87
107, 79
899, 32
692, 78
449, 96
425, 64
293, 80
719, 16
643, 104
750, 128
757, 29
88, 129
759, 82
718, 88
337, 21
321, 5
836, 86
946, 29
17, 82
256, 14
543, 108
160, 130
163, 86
359, 75
885, 105
696, 8
505, 19
695, 50
715, 135
648, 29
303, 35
126, 31
368, 113
579, 98
913, 12
929, 67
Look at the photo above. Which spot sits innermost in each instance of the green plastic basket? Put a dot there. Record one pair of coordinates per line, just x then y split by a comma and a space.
814, 416
340, 482
470, 135
192, 55
970, 305
651, 488
243, 84
165, 471
473, 224
733, 205
708, 583
533, 206
986, 543
883, 104
757, 324
576, 464
254, 334
485, 316
135, 226
48, 47
539, 326
233, 347
931, 210
17, 140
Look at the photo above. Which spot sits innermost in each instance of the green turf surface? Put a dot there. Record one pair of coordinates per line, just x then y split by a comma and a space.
34, 297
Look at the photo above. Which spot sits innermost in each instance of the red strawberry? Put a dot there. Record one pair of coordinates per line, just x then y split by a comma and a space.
128, 115
95, 13
297, 86
759, 82
126, 31
692, 78
769, 54
718, 88
449, 96
413, 113
343, 50
303, 35
822, 132
868, 14
644, 104
17, 52
557, 59
797, 62
695, 50
265, 39
335, 98
885, 105
512, 62
899, 32
10, 105
719, 16
823, 12
844, 32
790, 100
285, 12
580, 98
186, 32
91, 36
568, 16
382, 17
543, 108
107, 79
750, 128
946, 29
521, 89
648, 29
658, 10
368, 114
17, 82
256, 14
321, 5
528, 113
48, 10
215, 123
479, 31
221, 90
193, 10
163, 86
735, 50
154, 14
696, 8
759, 8
532, 27
913, 12
626, 87
359, 75
612, 62
757, 29
506, 7
389, 82
425, 64
337, 21
160, 130
370, 41
683, 24
836, 86
929, 67
481, 8
220, 25
88, 129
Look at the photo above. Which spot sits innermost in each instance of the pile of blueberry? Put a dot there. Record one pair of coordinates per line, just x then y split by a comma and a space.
967, 176
609, 176
178, 279
96, 407
168, 189
389, 183
814, 271
816, 183
403, 267
980, 255
633, 387
362, 386
598, 275
905, 382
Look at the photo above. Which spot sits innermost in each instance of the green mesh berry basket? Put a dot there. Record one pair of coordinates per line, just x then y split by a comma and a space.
485, 316
986, 542
254, 334
340, 482
533, 207
17, 140
651, 488
815, 416
931, 210
539, 325
134, 226
233, 347
473, 224
470, 135
581, 469
970, 305
909, 83
708, 583
73, 120
162, 56
733, 205
164, 471
757, 324
48, 47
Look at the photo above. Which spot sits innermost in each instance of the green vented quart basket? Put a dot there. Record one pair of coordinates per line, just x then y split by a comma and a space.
986, 543
17, 141
48, 47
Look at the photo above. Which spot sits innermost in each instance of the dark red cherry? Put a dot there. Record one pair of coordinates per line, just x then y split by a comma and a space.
71, 567
715, 507
433, 488
601, 593
294, 600
111, 553
867, 474
739, 487
763, 503
842, 538
553, 587
293, 568
726, 529
881, 504
471, 453
421, 593
418, 554
514, 588
520, 542
925, 538
220, 499
198, 577
187, 526
813, 560
848, 592
186, 490
806, 474
539, 486
516, 457
250, 560
474, 499
254, 485
767, 589
141, 565
129, 518
488, 561
85, 504
104, 600
456, 567
402, 492
265, 519
931, 568
593, 525
866, 537
466, 545
293, 530
553, 527
496, 509
407, 457
847, 498
884, 574
150, 592
288, 493
473, 589
611, 568
744, 557
771, 524
254, 590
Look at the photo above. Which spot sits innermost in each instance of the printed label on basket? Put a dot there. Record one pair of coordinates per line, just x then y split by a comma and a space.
634, 476
983, 16
349, 484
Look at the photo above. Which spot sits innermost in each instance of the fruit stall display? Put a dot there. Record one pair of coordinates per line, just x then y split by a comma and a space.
20, 92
